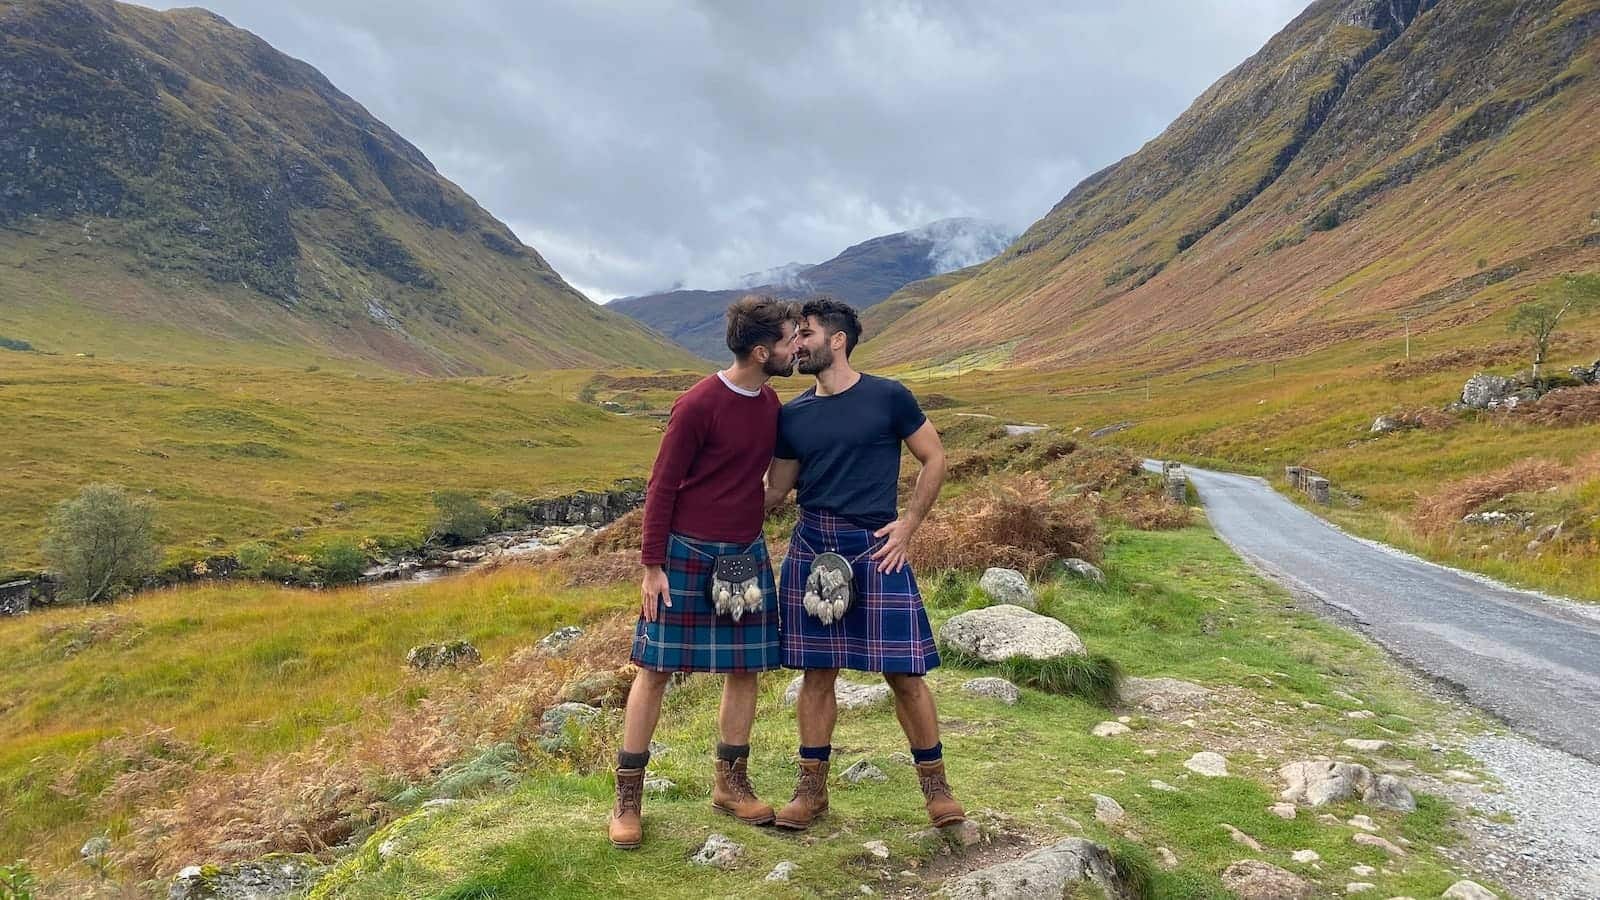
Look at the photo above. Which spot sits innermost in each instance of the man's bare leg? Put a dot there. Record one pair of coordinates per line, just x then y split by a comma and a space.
817, 709
732, 792
815, 712
738, 711
914, 707
638, 724
644, 710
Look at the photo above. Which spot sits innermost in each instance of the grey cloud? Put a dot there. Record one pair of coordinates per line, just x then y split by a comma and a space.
642, 145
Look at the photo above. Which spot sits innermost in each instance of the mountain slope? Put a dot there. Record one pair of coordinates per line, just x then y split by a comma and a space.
1373, 159
862, 275
176, 188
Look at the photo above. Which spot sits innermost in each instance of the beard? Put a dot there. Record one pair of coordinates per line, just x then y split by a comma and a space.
819, 360
773, 368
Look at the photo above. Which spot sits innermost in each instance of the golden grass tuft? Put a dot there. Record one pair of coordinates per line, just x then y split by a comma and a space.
1015, 521
1564, 407
1446, 506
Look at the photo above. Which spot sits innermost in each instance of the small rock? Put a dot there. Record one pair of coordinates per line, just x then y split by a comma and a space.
553, 732
997, 633
878, 849
95, 849
1466, 889
964, 833
1240, 837
847, 694
1166, 858
1364, 823
1252, 879
1328, 819
1282, 810
1372, 840
993, 688
1360, 714
1306, 856
1084, 569
1359, 887
559, 641
1110, 729
1207, 763
861, 772
781, 872
1162, 786
658, 786
449, 654
865, 890
1461, 775
1363, 870
1162, 694
1348, 697
1008, 586
599, 688
1389, 792
1048, 872
1107, 810
719, 852
1365, 746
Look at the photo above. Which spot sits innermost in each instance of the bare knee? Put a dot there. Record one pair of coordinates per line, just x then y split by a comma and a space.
651, 682
904, 685
739, 681
819, 681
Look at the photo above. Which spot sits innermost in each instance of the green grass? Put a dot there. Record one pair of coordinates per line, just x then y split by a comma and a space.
300, 459
1177, 604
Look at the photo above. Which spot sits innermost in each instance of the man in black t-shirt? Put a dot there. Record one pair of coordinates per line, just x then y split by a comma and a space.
840, 443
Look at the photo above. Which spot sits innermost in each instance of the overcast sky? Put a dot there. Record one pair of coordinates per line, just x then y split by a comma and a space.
642, 145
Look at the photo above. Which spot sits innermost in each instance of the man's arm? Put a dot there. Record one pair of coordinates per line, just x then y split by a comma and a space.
684, 435
926, 446
781, 476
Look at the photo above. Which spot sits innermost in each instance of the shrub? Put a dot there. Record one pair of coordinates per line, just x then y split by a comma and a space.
102, 542
341, 562
459, 518
1447, 505
1567, 406
17, 881
1013, 522
258, 559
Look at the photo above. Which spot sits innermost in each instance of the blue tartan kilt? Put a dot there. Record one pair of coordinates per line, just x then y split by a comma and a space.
886, 628
689, 635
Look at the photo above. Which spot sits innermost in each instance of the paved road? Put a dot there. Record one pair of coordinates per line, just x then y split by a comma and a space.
1531, 661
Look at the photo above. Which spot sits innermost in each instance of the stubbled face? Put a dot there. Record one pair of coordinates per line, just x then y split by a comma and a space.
780, 361
813, 347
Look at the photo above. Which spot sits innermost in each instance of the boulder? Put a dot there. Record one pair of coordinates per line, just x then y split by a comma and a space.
599, 688
1386, 424
1320, 782
1107, 810
1252, 879
1389, 792
1047, 872
781, 872
998, 633
1008, 586
847, 694
1483, 391
554, 735
718, 852
1110, 729
278, 875
1207, 763
1084, 569
993, 689
1466, 889
1162, 694
449, 654
559, 641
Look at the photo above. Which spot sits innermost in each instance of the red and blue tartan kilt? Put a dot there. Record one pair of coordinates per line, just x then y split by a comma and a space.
689, 635
886, 628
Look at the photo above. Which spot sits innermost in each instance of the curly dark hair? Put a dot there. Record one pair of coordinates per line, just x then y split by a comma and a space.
834, 315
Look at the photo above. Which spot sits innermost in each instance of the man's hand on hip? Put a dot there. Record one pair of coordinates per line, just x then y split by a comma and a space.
654, 591
893, 555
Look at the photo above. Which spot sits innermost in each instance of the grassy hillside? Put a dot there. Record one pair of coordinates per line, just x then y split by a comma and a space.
1371, 161
295, 457
178, 189
331, 688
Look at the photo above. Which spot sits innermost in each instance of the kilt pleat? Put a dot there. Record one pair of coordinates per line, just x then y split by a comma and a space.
689, 636
886, 629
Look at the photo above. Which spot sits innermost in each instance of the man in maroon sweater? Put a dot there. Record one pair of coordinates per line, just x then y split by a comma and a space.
705, 502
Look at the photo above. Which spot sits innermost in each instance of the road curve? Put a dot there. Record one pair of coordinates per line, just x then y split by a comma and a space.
1531, 661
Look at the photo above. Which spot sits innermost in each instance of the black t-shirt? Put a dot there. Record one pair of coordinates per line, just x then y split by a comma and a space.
848, 445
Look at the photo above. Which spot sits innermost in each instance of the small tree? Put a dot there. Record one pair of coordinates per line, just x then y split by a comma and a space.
1538, 319
101, 541
341, 562
459, 518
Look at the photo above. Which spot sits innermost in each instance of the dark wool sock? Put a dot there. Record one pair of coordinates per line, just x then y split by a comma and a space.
822, 753
932, 754
732, 752
626, 760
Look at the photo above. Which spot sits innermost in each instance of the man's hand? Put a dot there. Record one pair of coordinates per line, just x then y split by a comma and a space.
654, 591
891, 557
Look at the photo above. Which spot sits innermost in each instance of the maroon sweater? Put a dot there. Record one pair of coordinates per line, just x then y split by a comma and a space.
707, 480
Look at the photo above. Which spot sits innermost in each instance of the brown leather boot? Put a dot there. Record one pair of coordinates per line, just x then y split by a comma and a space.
810, 796
627, 832
732, 794
942, 806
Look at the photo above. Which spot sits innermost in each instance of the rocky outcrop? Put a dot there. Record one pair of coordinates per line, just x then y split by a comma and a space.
1049, 872
445, 655
281, 875
1162, 694
1252, 879
1320, 782
1007, 586
997, 633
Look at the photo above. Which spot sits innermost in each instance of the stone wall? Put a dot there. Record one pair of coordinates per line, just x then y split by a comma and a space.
1309, 482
